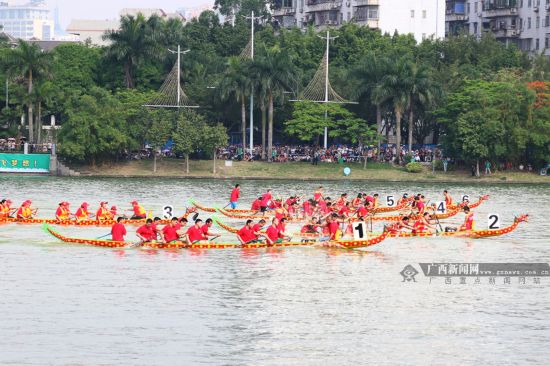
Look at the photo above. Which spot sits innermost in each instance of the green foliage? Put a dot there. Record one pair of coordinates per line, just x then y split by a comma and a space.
414, 168
94, 128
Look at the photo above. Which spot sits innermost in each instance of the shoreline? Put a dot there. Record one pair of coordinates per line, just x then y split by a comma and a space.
300, 172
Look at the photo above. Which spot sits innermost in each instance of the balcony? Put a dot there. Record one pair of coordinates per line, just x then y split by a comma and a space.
326, 23
371, 23
507, 33
492, 12
455, 17
283, 11
322, 5
366, 2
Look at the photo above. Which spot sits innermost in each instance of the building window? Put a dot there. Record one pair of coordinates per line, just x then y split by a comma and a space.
528, 3
546, 42
373, 12
475, 28
412, 13
537, 22
529, 23
424, 14
468, 8
521, 3
547, 21
475, 7
536, 44
423, 36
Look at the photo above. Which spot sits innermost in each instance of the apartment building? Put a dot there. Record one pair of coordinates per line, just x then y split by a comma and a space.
29, 20
422, 18
525, 23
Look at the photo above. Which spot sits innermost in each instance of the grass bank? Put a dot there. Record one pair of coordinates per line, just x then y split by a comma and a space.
302, 171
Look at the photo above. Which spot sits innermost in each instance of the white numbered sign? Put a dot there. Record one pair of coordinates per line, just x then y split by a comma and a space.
359, 231
390, 201
440, 207
465, 198
493, 221
167, 212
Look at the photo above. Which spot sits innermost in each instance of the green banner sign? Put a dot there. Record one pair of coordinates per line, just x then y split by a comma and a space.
25, 163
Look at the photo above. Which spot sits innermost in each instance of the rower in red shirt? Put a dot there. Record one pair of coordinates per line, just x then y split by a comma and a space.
246, 234
448, 198
318, 194
118, 231
468, 220
362, 211
344, 212
266, 201
399, 226
420, 206
356, 202
146, 233
82, 212
235, 193
282, 230
340, 202
195, 233
206, 230
257, 204
171, 232
272, 232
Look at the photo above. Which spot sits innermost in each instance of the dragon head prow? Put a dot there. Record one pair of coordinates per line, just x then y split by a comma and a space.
522, 218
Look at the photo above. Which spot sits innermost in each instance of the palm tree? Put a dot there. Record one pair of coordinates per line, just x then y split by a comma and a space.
30, 62
368, 74
42, 93
236, 82
273, 74
395, 89
135, 40
422, 90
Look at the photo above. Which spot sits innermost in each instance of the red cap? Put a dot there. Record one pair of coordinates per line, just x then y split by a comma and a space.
134, 202
66, 203
84, 204
104, 202
113, 208
9, 201
27, 202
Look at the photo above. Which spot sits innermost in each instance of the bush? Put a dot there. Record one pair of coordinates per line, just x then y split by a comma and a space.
414, 167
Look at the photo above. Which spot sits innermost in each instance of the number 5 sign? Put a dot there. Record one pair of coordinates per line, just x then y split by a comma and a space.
359, 230
390, 200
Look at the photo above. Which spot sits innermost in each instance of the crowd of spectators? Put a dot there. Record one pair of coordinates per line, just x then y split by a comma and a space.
14, 145
334, 154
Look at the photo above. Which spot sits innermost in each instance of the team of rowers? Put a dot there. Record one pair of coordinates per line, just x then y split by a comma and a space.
63, 211
329, 219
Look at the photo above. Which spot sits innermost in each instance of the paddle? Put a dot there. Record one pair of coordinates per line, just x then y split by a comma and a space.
103, 236
214, 238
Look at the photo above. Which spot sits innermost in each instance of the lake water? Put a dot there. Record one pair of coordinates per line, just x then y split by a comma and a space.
75, 305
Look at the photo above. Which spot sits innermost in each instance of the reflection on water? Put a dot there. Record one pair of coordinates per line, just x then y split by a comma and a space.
69, 304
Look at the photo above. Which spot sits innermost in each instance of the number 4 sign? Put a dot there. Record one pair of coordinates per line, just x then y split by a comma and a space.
441, 207
493, 221
359, 230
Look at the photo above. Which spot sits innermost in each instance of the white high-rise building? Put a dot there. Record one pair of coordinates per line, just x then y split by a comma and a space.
30, 20
422, 18
525, 23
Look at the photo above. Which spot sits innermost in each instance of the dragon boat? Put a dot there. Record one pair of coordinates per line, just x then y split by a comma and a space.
450, 213
380, 209
476, 234
347, 244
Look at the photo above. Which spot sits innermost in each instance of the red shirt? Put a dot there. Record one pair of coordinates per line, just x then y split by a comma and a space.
195, 234
370, 199
246, 234
344, 210
333, 228
281, 227
235, 195
266, 197
256, 228
118, 231
420, 206
362, 211
170, 232
147, 232
307, 208
256, 205
272, 233
204, 229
